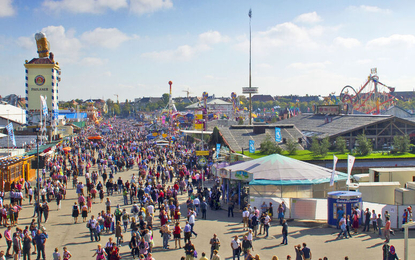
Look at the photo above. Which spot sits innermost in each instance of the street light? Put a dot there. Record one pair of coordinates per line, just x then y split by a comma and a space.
37, 181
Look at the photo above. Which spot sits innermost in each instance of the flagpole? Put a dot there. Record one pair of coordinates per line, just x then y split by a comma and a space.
250, 95
8, 139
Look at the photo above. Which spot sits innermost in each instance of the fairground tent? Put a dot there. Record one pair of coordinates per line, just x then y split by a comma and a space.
280, 176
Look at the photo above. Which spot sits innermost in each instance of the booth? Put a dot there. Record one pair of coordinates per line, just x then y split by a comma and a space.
346, 200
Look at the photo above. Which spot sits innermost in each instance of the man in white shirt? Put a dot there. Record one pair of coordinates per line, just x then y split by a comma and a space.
93, 228
236, 247
245, 218
196, 202
192, 220
150, 209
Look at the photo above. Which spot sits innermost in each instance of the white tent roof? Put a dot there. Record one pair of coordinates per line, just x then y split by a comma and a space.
277, 169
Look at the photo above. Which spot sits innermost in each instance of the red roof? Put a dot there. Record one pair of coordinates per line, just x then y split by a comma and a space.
41, 61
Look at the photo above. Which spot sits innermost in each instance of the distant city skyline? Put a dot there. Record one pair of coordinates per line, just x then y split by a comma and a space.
132, 48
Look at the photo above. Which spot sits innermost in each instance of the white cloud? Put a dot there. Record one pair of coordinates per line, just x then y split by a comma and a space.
369, 9
183, 53
187, 52
287, 35
84, 6
149, 6
212, 37
312, 17
105, 37
26, 42
346, 42
63, 43
309, 66
364, 61
393, 41
92, 61
6, 8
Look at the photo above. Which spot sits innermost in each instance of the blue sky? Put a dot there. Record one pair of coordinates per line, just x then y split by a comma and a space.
134, 47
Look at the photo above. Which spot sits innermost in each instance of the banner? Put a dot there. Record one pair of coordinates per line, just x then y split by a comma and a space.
277, 134
335, 159
217, 150
251, 146
56, 114
44, 105
350, 162
9, 128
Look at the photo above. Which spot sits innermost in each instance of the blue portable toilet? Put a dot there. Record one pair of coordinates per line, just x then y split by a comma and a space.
342, 199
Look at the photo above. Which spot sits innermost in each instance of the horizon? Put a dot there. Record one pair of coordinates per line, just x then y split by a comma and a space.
130, 49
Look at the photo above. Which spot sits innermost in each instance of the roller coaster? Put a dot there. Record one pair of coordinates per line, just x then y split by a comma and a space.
371, 98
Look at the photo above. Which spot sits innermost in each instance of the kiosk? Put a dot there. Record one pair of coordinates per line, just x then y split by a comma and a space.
346, 200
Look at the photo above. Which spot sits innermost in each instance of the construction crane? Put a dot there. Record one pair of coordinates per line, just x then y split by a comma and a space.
187, 92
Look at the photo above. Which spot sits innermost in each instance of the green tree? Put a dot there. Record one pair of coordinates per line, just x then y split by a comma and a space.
320, 148
116, 109
324, 146
364, 145
268, 146
165, 98
341, 145
126, 109
315, 147
291, 146
401, 143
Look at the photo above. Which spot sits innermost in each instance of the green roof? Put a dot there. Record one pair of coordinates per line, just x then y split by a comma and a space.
80, 124
41, 148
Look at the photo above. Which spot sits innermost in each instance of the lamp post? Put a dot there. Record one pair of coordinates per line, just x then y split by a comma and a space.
37, 181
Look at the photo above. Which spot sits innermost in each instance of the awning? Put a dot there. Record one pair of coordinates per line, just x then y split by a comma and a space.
196, 132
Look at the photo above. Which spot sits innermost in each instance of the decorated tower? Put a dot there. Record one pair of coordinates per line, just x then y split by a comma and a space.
42, 79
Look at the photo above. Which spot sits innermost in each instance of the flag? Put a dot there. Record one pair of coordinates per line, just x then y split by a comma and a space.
56, 113
251, 146
277, 134
217, 150
350, 162
9, 128
44, 105
250, 13
335, 159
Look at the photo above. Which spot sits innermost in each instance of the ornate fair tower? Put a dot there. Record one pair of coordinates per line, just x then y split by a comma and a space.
42, 79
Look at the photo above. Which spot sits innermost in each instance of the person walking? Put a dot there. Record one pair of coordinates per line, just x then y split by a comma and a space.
192, 221
342, 224
387, 230
100, 253
165, 233
284, 232
374, 222
245, 218
379, 223
93, 225
267, 223
236, 247
214, 245
216, 255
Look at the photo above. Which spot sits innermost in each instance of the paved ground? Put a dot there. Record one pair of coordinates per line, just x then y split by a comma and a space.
321, 239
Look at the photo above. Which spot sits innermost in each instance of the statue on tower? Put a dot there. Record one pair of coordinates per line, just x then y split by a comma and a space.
43, 46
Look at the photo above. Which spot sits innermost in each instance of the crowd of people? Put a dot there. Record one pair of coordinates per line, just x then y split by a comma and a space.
163, 183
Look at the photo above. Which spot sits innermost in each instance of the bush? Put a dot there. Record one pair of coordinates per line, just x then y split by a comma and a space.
364, 145
341, 145
268, 146
401, 144
292, 146
320, 148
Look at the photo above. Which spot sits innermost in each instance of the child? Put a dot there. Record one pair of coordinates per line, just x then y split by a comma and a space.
56, 255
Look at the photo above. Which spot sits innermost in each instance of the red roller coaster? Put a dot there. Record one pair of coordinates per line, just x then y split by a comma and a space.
371, 98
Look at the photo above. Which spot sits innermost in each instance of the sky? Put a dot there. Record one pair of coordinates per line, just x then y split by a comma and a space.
133, 48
